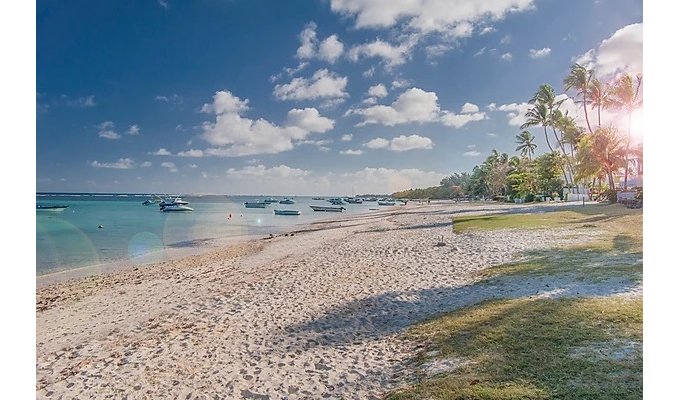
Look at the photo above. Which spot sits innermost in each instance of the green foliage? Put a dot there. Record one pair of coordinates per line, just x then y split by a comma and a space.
548, 174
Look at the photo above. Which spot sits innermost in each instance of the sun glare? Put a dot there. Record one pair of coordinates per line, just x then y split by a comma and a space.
636, 126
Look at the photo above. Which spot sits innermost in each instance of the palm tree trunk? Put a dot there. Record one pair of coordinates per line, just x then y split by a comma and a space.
599, 121
625, 173
569, 166
585, 111
545, 130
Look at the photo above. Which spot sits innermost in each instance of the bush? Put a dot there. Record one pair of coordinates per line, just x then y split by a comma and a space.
638, 194
530, 197
610, 195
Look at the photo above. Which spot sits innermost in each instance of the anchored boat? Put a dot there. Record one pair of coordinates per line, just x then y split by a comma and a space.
328, 209
257, 204
52, 208
286, 212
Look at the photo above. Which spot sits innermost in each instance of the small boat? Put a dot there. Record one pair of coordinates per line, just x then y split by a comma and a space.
386, 203
336, 201
354, 200
318, 198
150, 201
270, 200
286, 212
287, 201
329, 209
52, 208
371, 199
257, 204
176, 207
169, 201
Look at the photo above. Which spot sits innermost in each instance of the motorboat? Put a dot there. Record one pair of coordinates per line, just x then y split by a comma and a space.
386, 203
256, 204
169, 201
286, 212
328, 209
176, 207
318, 198
270, 200
354, 200
336, 201
287, 201
50, 207
151, 201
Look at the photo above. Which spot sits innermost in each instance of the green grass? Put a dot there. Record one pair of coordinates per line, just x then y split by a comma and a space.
535, 349
566, 348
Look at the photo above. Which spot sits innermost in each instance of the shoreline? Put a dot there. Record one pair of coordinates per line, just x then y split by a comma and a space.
317, 313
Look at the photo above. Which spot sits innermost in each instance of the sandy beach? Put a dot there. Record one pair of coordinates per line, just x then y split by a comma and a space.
315, 314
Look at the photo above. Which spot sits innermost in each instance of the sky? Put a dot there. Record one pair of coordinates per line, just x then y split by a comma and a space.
304, 97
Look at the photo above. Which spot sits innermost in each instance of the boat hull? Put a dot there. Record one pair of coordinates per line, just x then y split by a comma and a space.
51, 208
255, 205
178, 208
327, 209
286, 212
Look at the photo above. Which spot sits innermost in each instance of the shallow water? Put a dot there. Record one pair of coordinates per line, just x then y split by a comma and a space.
71, 238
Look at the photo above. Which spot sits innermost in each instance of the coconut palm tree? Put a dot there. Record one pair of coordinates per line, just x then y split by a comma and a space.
579, 79
598, 96
538, 115
525, 140
603, 152
625, 96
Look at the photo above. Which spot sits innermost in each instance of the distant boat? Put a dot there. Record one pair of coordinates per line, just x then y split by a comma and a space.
169, 201
270, 200
354, 200
386, 203
151, 201
318, 198
258, 204
329, 209
371, 199
52, 208
335, 201
176, 207
286, 212
287, 201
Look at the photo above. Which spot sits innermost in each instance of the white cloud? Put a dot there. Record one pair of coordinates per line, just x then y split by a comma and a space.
378, 90
480, 52
386, 180
487, 29
426, 16
81, 102
369, 101
204, 174
544, 52
197, 153
377, 143
369, 72
235, 135
323, 84
346, 138
400, 143
506, 56
622, 52
471, 153
288, 71
170, 166
351, 152
414, 105
145, 164
225, 102
469, 108
106, 131
331, 49
400, 83
173, 98
262, 172
514, 111
437, 50
471, 146
192, 166
309, 119
122, 163
160, 152
505, 40
133, 130
492, 134
391, 55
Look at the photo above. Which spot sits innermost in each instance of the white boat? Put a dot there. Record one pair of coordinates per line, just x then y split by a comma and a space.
270, 200
386, 203
328, 209
169, 201
287, 201
176, 207
286, 212
51, 208
257, 204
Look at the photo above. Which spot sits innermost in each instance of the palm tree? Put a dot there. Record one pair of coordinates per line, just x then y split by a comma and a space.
579, 79
598, 96
625, 96
602, 153
525, 140
538, 116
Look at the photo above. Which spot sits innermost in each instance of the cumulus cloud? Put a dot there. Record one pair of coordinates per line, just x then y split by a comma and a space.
541, 53
351, 152
391, 55
514, 112
235, 135
145, 164
469, 108
106, 131
173, 98
428, 16
378, 90
346, 138
197, 153
329, 50
170, 166
323, 84
133, 130
400, 143
622, 52
506, 57
415, 105
160, 152
122, 163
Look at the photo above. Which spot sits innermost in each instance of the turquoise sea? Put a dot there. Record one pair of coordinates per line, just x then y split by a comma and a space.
71, 238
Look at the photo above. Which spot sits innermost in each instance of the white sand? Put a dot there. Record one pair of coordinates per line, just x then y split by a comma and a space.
315, 315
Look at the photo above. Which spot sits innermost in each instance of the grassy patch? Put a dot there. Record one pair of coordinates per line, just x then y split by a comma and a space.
616, 253
535, 349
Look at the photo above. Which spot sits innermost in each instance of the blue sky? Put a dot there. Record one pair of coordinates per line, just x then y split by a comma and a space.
301, 97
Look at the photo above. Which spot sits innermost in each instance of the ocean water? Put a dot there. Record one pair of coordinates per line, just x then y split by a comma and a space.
71, 238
